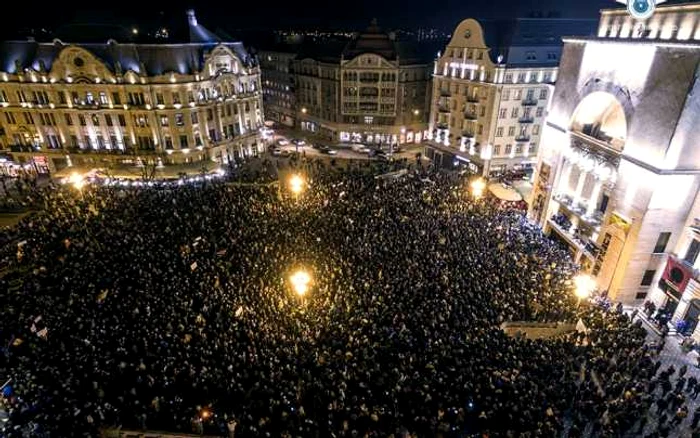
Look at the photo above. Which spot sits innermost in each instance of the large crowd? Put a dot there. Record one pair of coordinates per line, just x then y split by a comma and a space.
170, 308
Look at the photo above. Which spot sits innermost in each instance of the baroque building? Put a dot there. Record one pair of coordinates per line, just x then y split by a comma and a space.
371, 89
618, 177
110, 103
491, 90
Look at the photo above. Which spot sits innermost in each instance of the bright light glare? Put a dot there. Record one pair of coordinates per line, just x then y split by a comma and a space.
300, 282
478, 186
77, 180
296, 184
584, 286
205, 414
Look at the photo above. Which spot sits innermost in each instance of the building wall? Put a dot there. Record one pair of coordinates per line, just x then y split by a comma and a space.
62, 117
278, 87
491, 113
367, 99
651, 174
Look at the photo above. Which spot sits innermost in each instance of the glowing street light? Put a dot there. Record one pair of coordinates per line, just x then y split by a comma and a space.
585, 285
477, 187
296, 184
300, 280
77, 180
303, 110
205, 414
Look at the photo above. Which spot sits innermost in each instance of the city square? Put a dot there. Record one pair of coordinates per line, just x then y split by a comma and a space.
231, 222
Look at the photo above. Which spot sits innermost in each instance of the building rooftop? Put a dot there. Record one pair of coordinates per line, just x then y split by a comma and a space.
145, 59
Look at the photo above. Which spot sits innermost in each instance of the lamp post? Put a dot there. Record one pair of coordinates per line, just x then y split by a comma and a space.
296, 184
584, 285
477, 187
300, 281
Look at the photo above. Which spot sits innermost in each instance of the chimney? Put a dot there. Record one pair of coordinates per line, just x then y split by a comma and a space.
191, 18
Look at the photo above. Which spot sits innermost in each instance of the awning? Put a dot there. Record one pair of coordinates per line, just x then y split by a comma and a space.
505, 193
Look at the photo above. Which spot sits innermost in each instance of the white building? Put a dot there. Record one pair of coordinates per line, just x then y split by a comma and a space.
491, 89
618, 176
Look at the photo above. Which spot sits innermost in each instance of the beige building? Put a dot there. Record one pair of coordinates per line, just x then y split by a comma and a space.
618, 176
370, 90
107, 104
491, 90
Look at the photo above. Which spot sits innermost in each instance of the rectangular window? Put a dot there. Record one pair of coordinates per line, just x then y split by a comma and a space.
95, 120
540, 111
197, 140
514, 113
519, 149
509, 149
511, 131
176, 98
497, 150
179, 119
10, 118
521, 77
210, 115
74, 141
648, 277
113, 142
81, 119
369, 120
108, 119
159, 99
87, 142
499, 131
195, 117
692, 253
506, 95
61, 98
163, 120
41, 119
100, 142
116, 99
190, 96
122, 120
502, 113
661, 242
103, 98
483, 111
74, 97
535, 129
88, 98
183, 142
480, 130
509, 78
28, 119
543, 93
168, 142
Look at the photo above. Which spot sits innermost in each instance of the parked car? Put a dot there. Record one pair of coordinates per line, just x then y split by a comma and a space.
327, 150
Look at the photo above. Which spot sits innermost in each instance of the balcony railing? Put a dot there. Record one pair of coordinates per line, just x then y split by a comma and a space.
522, 138
529, 101
443, 109
528, 119
470, 116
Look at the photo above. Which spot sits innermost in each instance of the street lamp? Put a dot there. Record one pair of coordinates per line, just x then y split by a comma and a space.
296, 184
77, 180
416, 112
300, 281
477, 187
303, 110
584, 286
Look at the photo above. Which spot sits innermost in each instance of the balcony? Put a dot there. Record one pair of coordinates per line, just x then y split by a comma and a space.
526, 119
566, 203
467, 134
529, 101
443, 109
445, 93
522, 138
470, 116
473, 99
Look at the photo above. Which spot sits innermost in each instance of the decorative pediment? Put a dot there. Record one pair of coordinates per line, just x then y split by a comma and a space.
222, 60
76, 62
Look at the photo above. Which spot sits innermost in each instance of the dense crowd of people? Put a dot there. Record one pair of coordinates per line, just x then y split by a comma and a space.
170, 308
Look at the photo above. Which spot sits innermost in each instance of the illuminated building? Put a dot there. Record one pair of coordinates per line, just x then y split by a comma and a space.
277, 84
371, 89
491, 89
619, 171
111, 103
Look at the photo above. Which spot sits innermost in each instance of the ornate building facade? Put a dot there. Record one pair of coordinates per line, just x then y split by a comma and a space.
491, 90
105, 104
618, 177
372, 89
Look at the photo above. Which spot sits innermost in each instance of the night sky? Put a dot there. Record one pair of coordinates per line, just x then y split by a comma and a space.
442, 14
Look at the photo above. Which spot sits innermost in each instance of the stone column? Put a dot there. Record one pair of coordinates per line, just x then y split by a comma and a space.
579, 186
593, 201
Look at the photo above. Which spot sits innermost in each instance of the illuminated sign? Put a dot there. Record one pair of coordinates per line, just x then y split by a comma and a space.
641, 9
